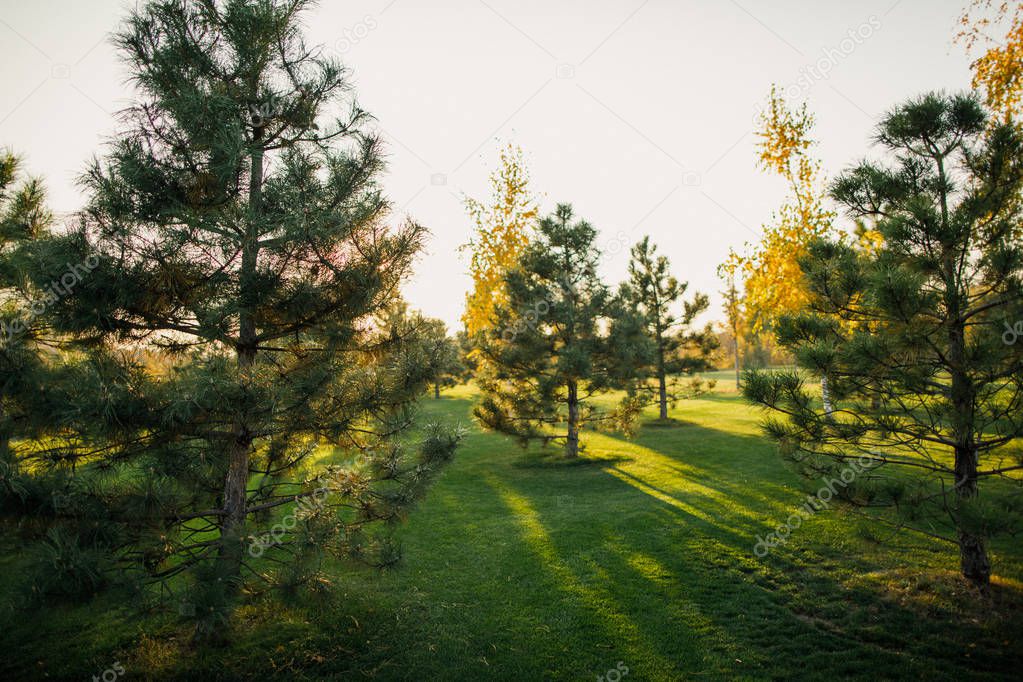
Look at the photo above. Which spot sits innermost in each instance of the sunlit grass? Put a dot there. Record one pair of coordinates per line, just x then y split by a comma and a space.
520, 567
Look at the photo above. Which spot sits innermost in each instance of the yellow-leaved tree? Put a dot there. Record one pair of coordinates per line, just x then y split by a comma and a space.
773, 279
502, 228
774, 284
998, 72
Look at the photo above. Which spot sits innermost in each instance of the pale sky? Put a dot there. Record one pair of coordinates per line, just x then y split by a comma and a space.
638, 112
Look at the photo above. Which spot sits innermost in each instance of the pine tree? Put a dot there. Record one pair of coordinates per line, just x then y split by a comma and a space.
446, 354
440, 353
240, 232
550, 352
23, 218
677, 349
918, 333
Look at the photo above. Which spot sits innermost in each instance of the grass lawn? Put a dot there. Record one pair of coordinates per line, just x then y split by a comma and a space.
518, 567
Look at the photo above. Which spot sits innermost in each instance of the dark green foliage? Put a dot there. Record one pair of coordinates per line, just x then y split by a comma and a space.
673, 348
228, 333
64, 566
550, 350
23, 366
917, 340
447, 354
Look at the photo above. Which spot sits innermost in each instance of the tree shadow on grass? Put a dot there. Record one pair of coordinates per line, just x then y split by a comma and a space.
700, 600
669, 423
655, 552
671, 596
552, 461
807, 579
646, 557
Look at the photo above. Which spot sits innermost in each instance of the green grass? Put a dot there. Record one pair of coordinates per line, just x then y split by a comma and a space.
519, 567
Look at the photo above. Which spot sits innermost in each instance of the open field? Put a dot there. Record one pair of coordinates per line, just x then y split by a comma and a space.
641, 557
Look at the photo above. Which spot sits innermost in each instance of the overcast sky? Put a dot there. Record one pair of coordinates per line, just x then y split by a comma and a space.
638, 112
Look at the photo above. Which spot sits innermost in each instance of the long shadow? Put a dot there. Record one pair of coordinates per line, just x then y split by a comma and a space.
522, 572
810, 566
668, 578
797, 591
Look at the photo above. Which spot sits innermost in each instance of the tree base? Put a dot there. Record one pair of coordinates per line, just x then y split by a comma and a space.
974, 561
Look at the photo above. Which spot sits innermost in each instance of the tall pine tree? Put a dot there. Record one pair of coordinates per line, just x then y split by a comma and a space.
240, 231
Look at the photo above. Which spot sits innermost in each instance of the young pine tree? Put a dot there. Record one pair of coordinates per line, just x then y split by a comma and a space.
445, 353
242, 232
919, 332
652, 292
550, 351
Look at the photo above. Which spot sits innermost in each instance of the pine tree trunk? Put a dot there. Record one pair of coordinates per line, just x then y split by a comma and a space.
6, 460
572, 442
662, 383
662, 393
237, 478
5, 439
436, 390
973, 557
972, 553
235, 494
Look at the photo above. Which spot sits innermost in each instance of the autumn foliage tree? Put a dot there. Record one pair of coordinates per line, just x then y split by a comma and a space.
773, 279
774, 283
998, 72
503, 225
